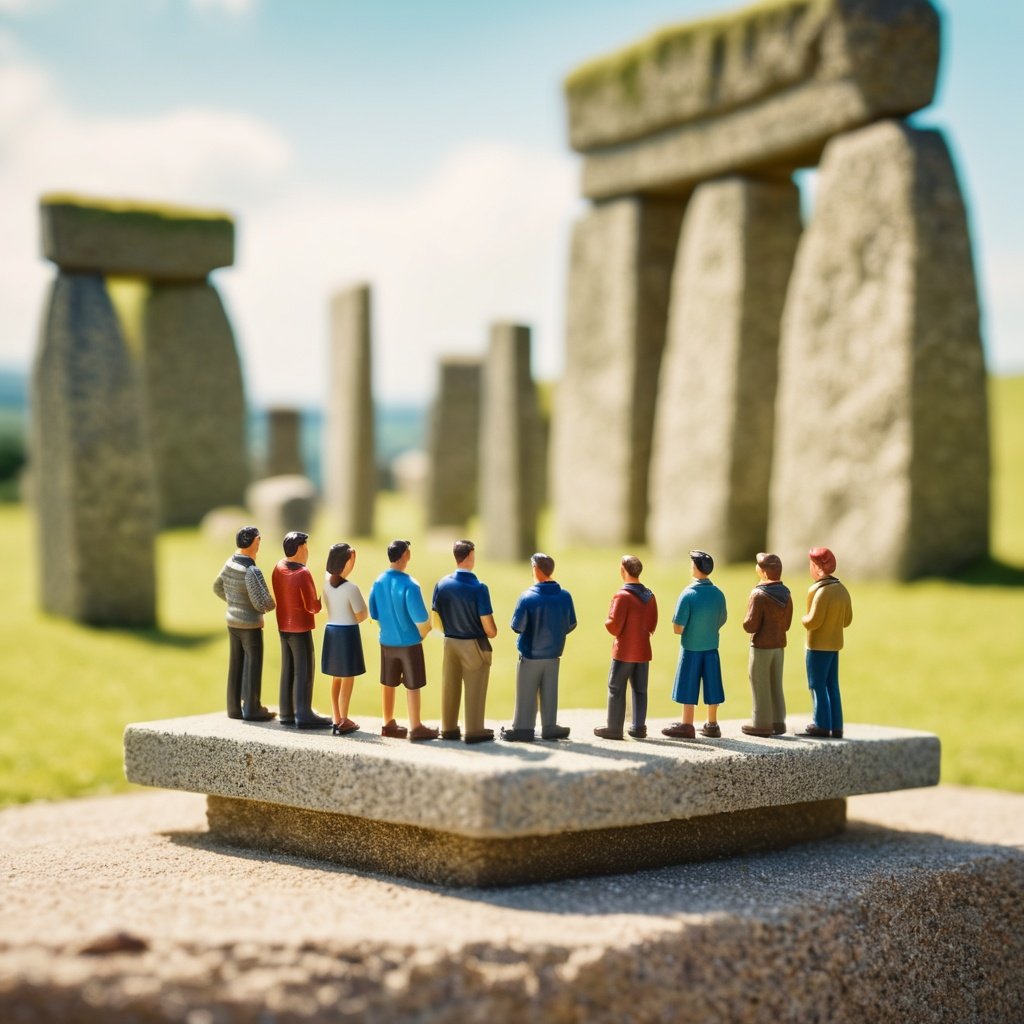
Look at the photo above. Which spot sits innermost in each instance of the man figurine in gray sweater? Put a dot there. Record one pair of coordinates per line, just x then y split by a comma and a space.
242, 586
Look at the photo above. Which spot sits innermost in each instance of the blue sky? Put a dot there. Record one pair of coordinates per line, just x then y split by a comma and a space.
420, 146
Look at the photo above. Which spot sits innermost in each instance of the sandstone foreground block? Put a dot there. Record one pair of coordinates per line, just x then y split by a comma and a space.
757, 89
915, 913
504, 813
159, 242
882, 450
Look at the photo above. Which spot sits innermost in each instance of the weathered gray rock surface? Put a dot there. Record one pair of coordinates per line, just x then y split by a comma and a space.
280, 504
881, 449
93, 480
913, 914
160, 242
512, 468
194, 402
453, 446
619, 278
763, 87
350, 465
714, 425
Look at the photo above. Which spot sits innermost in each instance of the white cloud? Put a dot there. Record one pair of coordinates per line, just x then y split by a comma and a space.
237, 8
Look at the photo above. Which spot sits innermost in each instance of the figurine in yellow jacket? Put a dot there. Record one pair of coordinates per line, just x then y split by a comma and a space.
829, 612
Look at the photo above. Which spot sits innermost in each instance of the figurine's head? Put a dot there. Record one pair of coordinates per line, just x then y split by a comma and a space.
770, 566
543, 566
630, 567
823, 562
294, 542
703, 564
399, 553
247, 537
465, 553
338, 558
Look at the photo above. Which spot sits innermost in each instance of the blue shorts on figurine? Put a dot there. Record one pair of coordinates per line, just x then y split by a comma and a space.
692, 668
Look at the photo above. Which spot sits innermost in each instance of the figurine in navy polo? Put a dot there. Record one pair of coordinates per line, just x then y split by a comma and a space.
700, 614
462, 605
544, 616
242, 586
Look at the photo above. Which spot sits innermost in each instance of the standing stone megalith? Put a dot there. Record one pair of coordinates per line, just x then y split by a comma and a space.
195, 403
711, 461
882, 448
284, 443
454, 443
94, 491
619, 276
512, 469
350, 467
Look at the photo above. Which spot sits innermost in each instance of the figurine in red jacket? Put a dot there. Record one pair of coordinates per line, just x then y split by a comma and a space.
632, 619
297, 603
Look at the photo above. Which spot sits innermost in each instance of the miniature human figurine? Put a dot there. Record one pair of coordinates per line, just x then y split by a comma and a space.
632, 619
242, 586
829, 612
396, 605
297, 603
544, 615
769, 615
700, 614
342, 656
462, 605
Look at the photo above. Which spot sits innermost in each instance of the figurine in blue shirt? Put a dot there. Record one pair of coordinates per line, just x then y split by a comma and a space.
700, 614
544, 615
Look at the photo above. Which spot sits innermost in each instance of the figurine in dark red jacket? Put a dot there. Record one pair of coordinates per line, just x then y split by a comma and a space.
632, 619
297, 604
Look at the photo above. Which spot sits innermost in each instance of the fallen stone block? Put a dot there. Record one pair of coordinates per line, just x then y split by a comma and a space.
279, 505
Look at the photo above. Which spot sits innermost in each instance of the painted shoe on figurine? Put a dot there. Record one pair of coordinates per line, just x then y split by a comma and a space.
451, 734
679, 731
555, 732
344, 727
260, 715
607, 734
423, 732
752, 730
816, 730
480, 737
517, 735
778, 728
394, 730
639, 734
314, 722
711, 730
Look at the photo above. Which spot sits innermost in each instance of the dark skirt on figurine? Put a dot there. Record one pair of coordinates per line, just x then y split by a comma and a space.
343, 652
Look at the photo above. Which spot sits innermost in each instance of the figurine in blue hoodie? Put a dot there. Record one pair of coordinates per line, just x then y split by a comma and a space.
769, 615
700, 614
543, 617
632, 618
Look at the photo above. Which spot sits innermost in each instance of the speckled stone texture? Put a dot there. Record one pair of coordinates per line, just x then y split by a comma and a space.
881, 449
761, 88
714, 424
284, 443
453, 444
501, 789
94, 490
159, 242
512, 467
603, 416
913, 914
194, 402
349, 466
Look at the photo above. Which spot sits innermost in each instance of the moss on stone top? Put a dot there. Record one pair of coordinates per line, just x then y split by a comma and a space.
101, 208
622, 67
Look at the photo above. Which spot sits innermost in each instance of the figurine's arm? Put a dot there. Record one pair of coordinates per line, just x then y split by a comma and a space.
616, 617
310, 601
572, 615
787, 618
815, 614
357, 604
256, 586
755, 615
849, 612
218, 588
519, 618
653, 614
489, 627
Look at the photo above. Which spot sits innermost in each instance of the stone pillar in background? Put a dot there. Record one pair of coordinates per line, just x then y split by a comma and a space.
284, 443
95, 499
882, 425
714, 424
350, 467
512, 469
194, 401
619, 276
454, 443
192, 396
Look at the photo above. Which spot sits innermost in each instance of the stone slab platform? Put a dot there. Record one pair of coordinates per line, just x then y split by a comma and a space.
914, 913
500, 813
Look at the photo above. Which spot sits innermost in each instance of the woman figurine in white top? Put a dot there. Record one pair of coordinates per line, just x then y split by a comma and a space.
342, 656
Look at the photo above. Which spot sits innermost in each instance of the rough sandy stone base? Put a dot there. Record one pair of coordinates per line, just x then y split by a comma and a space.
446, 858
914, 913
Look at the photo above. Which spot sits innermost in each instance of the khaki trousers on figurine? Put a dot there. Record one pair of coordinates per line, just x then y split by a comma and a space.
464, 662
765, 667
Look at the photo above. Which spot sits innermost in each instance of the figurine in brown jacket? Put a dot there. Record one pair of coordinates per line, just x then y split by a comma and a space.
769, 615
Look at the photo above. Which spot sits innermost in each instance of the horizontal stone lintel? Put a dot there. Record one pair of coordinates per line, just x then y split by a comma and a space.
129, 239
501, 790
445, 858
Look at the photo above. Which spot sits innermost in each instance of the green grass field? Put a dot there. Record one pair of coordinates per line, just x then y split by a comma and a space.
941, 655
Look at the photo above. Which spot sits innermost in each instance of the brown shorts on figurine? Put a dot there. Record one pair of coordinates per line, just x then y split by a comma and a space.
403, 666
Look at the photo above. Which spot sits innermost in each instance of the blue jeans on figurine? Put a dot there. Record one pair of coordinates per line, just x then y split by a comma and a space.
823, 680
